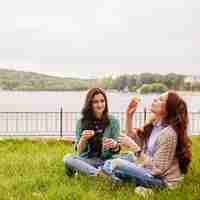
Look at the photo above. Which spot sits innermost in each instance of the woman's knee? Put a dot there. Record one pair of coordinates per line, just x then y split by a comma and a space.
118, 162
68, 159
110, 165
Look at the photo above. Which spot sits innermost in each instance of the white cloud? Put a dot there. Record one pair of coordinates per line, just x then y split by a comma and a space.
108, 36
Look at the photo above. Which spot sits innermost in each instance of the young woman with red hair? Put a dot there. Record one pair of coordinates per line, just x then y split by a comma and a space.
162, 145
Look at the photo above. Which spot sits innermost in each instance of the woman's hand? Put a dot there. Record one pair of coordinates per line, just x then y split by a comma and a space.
86, 135
109, 143
132, 107
148, 162
126, 141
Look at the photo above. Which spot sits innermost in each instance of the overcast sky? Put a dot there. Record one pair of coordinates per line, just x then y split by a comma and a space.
84, 38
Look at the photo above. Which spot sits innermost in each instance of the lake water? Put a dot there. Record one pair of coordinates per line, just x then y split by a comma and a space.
73, 101
48, 122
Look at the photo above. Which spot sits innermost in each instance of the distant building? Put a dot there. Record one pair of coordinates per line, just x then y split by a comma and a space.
192, 79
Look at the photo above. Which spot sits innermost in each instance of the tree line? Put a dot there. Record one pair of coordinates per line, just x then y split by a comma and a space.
144, 83
150, 82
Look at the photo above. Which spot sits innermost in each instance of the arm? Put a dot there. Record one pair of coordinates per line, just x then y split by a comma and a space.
81, 146
129, 124
164, 155
133, 132
115, 135
80, 143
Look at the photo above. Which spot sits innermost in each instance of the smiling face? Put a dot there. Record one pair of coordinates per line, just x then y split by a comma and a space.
158, 107
98, 104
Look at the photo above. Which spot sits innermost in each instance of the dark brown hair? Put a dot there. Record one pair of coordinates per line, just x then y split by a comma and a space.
177, 118
88, 115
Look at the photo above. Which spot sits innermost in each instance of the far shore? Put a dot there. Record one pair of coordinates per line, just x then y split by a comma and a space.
182, 93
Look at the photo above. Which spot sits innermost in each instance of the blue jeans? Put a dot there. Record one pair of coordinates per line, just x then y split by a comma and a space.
88, 166
129, 171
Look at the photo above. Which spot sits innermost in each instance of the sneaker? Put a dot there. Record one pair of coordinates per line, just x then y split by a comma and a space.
70, 172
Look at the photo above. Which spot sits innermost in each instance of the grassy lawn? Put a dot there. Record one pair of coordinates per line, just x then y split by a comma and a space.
35, 170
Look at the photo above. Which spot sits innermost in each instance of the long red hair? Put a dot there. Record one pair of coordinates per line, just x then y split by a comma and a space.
177, 117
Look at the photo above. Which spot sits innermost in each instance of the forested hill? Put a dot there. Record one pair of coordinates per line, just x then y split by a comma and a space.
29, 81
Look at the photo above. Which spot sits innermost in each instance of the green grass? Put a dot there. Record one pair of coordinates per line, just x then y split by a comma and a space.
34, 170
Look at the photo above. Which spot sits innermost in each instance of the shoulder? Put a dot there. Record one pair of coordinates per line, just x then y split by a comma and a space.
170, 132
168, 135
